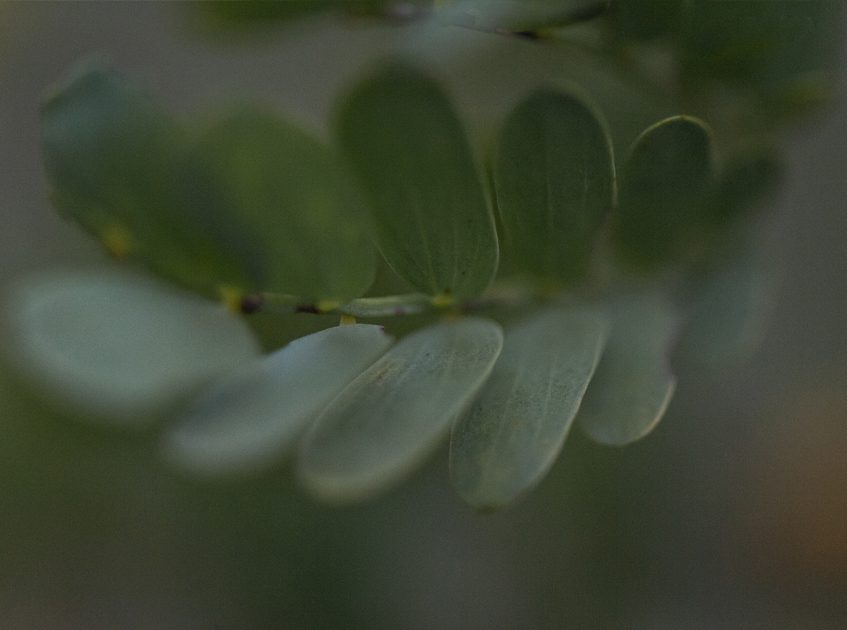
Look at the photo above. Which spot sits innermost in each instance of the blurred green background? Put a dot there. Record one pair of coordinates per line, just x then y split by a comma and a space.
733, 514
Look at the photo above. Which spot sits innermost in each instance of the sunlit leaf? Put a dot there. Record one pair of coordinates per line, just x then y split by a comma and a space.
411, 157
633, 383
516, 428
119, 347
518, 15
665, 185
295, 208
114, 159
554, 177
393, 415
249, 419
729, 312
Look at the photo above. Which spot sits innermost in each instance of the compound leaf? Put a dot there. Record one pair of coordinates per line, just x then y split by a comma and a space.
554, 178
633, 383
411, 157
249, 419
388, 419
664, 191
119, 347
516, 428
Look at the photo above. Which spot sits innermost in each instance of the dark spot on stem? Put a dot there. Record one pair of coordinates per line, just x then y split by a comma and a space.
252, 303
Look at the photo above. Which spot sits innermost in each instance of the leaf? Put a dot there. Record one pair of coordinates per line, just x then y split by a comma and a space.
119, 347
249, 419
514, 431
393, 415
664, 190
729, 312
554, 177
290, 196
410, 155
518, 15
633, 383
114, 159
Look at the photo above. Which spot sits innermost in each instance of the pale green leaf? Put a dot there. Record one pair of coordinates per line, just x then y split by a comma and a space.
119, 347
249, 419
510, 438
393, 415
633, 383
410, 155
554, 177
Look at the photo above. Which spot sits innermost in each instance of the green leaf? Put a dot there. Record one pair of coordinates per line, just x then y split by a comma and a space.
119, 347
518, 15
114, 159
250, 419
393, 415
554, 177
633, 383
729, 312
516, 428
293, 203
411, 157
664, 189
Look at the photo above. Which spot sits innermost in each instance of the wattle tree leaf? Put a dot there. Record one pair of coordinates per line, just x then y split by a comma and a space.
515, 429
292, 202
665, 187
249, 419
114, 159
410, 155
554, 177
633, 383
392, 416
119, 347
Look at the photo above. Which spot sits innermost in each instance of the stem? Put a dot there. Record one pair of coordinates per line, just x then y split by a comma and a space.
498, 297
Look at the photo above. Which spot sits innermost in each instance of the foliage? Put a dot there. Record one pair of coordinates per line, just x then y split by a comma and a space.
580, 262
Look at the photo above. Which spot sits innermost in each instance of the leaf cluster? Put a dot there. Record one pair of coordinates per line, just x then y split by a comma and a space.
542, 236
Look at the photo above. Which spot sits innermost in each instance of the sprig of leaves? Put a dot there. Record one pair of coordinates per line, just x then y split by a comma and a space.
262, 214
